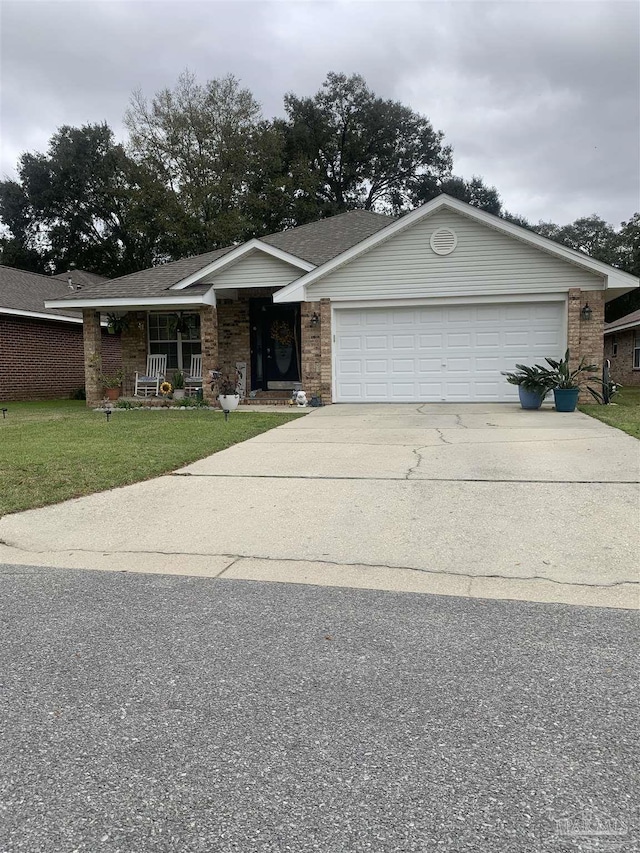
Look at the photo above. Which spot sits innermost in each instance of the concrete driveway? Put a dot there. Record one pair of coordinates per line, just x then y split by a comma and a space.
473, 500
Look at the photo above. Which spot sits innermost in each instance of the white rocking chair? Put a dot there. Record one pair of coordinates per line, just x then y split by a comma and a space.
193, 380
155, 373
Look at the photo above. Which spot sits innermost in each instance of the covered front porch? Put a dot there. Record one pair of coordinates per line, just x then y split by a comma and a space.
275, 346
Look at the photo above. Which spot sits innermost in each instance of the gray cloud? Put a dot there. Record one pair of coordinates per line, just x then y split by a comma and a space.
541, 99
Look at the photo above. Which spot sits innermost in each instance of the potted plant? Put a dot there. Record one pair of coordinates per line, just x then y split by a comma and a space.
534, 383
178, 385
227, 384
116, 324
112, 384
566, 382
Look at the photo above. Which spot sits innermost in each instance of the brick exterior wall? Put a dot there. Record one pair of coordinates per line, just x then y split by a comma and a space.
44, 359
92, 356
209, 338
234, 334
134, 349
311, 354
586, 337
622, 369
326, 367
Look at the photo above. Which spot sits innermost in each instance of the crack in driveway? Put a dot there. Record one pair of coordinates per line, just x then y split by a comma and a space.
236, 558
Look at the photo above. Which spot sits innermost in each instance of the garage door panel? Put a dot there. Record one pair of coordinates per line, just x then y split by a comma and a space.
350, 368
430, 341
375, 366
490, 340
452, 353
376, 342
403, 365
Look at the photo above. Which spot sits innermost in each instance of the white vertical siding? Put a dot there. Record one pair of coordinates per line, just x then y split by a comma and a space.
255, 270
484, 262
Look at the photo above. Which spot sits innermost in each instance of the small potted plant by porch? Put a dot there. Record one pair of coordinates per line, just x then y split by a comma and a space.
534, 383
178, 385
227, 384
566, 382
112, 384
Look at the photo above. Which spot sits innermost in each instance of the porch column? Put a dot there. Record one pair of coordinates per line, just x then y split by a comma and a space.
209, 343
311, 356
326, 365
586, 337
92, 337
134, 349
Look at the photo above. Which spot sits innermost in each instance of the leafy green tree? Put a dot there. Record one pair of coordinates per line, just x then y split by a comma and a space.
347, 148
474, 192
197, 140
83, 203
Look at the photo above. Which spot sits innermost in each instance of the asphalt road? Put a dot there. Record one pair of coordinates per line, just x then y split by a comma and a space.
165, 713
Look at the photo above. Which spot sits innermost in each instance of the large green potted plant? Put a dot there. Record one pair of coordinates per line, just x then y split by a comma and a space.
566, 382
533, 383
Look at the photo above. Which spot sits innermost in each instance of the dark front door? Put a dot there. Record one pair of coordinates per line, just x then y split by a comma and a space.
275, 345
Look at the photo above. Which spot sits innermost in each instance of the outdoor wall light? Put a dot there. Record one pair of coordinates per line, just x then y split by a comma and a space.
314, 320
586, 312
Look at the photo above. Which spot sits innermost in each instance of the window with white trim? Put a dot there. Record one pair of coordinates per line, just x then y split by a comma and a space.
636, 349
614, 346
177, 336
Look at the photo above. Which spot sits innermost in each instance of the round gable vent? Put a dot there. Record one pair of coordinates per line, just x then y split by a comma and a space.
443, 241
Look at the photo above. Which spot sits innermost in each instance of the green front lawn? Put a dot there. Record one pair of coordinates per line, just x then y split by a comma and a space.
51, 451
623, 413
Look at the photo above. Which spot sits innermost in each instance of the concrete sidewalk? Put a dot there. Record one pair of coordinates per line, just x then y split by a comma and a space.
471, 500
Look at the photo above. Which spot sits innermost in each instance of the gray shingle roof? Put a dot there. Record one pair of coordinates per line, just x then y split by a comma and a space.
629, 320
26, 291
151, 282
319, 242
81, 278
316, 243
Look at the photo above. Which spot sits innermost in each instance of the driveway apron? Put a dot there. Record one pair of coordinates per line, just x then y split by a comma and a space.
480, 500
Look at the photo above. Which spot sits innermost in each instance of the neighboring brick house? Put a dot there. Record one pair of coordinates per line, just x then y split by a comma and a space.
622, 348
360, 307
41, 349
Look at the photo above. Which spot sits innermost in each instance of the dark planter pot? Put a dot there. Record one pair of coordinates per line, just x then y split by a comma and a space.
112, 393
529, 399
566, 399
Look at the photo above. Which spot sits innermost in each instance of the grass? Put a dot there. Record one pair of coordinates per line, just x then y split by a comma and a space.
52, 451
623, 413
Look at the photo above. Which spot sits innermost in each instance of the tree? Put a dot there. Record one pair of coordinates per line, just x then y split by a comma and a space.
83, 203
474, 192
347, 148
197, 140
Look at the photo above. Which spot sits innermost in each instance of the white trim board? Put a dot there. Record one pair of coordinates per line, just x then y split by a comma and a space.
208, 298
614, 278
448, 300
37, 315
236, 255
624, 328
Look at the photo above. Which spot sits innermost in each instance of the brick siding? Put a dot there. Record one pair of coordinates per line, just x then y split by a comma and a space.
43, 359
586, 337
311, 355
622, 369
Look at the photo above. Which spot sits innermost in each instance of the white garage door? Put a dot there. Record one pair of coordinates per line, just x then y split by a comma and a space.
450, 352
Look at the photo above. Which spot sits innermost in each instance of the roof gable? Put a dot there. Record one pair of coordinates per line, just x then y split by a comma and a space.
611, 277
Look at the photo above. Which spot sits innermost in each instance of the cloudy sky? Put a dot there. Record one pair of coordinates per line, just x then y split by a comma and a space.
540, 98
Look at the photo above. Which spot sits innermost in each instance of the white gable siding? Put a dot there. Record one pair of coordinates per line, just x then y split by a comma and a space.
484, 262
255, 270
